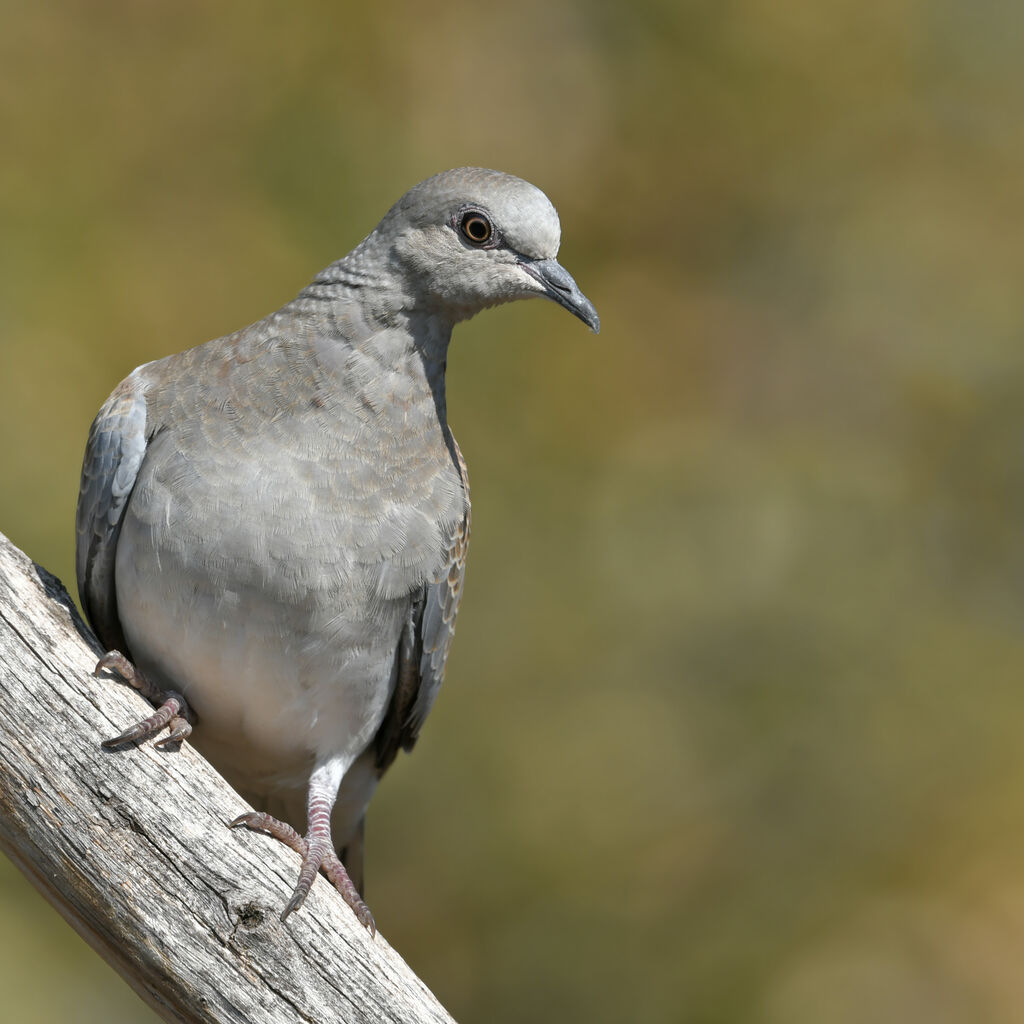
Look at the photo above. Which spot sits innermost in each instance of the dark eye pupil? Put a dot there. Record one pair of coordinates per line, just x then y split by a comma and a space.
476, 228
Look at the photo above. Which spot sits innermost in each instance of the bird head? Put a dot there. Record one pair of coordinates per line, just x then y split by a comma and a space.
471, 238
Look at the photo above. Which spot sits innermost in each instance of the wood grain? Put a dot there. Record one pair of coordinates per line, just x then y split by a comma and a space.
132, 848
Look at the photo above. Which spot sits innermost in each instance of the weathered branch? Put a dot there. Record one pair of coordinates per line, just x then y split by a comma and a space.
132, 848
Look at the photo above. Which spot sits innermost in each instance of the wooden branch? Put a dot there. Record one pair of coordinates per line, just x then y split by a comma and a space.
132, 848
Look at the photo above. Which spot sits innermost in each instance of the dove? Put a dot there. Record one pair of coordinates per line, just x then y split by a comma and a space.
272, 527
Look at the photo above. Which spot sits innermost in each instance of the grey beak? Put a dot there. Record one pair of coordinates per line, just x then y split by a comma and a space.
559, 285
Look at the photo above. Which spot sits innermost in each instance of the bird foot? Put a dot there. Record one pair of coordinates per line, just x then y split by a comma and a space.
317, 854
172, 711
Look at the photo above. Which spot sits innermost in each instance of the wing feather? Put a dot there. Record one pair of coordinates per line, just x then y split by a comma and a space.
426, 640
113, 454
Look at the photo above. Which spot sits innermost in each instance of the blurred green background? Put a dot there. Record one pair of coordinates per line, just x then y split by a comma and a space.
731, 730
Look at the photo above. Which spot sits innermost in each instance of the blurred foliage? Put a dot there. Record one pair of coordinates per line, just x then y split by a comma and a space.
731, 727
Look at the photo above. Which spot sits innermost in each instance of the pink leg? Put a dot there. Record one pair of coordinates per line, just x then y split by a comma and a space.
172, 711
316, 849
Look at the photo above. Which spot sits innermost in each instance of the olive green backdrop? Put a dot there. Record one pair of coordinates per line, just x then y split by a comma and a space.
732, 724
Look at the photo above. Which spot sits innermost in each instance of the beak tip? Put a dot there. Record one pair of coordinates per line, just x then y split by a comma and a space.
586, 312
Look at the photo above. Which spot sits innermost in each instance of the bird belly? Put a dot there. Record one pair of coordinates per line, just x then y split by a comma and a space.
280, 676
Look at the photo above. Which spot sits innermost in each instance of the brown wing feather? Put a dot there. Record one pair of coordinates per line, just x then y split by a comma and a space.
426, 640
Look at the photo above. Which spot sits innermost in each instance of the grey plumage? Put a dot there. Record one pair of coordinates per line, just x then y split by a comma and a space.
274, 524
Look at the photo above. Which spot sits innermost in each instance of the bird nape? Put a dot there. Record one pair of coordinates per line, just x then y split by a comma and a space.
272, 527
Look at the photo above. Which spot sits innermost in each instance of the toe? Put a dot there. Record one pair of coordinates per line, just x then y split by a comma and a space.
362, 912
180, 731
173, 712
258, 821
298, 898
115, 661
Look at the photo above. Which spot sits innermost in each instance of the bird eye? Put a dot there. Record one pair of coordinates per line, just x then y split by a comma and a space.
475, 227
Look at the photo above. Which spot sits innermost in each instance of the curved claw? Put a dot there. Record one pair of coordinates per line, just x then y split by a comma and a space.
180, 731
140, 730
296, 901
171, 713
363, 915
115, 661
366, 919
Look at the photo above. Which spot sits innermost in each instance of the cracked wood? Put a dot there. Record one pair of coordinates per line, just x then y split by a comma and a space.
132, 847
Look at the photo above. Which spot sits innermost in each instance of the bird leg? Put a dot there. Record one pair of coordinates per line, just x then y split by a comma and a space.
172, 710
316, 848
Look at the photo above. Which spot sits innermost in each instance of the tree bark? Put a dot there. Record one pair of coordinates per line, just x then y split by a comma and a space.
132, 848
